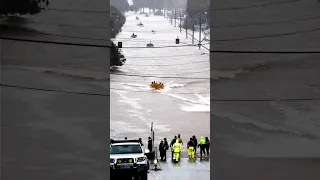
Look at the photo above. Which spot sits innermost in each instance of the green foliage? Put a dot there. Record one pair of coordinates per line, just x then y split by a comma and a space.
117, 20
197, 6
117, 58
120, 5
22, 7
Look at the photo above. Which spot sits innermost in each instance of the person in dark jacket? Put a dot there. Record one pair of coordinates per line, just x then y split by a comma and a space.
190, 147
171, 145
162, 150
195, 141
166, 145
150, 144
140, 141
202, 144
207, 146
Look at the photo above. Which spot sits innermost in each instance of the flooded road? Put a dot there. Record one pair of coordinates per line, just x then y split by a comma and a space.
183, 106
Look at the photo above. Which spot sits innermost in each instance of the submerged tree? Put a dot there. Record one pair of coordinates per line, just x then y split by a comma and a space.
117, 58
22, 7
117, 20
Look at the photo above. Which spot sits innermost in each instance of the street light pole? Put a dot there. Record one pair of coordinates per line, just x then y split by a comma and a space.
175, 17
180, 21
199, 31
185, 22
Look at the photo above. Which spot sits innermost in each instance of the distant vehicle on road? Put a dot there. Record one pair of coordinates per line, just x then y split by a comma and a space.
127, 158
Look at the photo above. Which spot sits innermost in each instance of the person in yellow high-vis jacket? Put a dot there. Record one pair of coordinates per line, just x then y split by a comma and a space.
191, 146
202, 145
177, 150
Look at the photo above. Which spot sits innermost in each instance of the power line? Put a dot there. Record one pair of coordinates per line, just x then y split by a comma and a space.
67, 25
158, 91
164, 77
202, 45
51, 90
147, 57
78, 11
195, 62
265, 100
186, 45
106, 46
213, 27
267, 36
182, 73
266, 23
267, 52
61, 35
255, 6
212, 100
85, 45
82, 93
53, 42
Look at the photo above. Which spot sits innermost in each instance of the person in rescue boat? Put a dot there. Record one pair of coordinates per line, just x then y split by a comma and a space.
190, 147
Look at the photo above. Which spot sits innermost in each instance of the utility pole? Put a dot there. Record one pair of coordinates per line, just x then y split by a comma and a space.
171, 16
192, 32
175, 17
180, 22
186, 26
199, 31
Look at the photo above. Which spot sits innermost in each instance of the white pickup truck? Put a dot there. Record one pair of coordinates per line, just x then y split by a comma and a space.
127, 157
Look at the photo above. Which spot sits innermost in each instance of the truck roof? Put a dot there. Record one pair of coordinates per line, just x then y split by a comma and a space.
125, 143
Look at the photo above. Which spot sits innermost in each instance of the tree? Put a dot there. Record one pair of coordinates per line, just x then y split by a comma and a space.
22, 7
195, 7
116, 56
117, 20
121, 5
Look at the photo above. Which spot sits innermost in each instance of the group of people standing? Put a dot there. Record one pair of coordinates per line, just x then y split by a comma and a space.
192, 145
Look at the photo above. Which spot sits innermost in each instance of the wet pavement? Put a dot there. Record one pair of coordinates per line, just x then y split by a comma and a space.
185, 169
